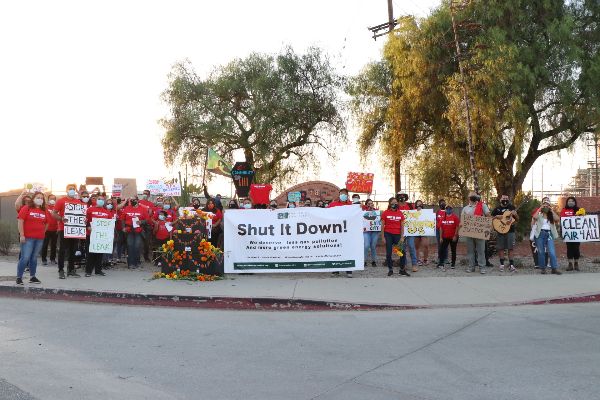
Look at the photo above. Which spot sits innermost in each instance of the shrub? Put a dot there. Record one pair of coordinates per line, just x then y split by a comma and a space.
8, 236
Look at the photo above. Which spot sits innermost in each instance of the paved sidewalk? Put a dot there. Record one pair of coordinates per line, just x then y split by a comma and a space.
318, 292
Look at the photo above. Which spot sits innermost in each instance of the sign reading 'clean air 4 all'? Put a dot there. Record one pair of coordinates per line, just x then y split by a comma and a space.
294, 240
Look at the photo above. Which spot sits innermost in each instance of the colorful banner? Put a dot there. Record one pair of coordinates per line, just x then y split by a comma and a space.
419, 222
102, 235
172, 189
476, 227
216, 164
75, 225
359, 182
155, 186
117, 189
294, 240
583, 228
372, 221
36, 187
294, 197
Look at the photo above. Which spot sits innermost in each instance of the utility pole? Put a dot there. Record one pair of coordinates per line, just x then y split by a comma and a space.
465, 97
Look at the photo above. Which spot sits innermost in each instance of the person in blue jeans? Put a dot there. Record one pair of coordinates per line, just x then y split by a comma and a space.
544, 225
371, 232
403, 204
392, 225
32, 223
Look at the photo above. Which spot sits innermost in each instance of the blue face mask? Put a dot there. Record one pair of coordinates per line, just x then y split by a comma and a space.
71, 193
100, 202
109, 206
448, 211
343, 197
167, 206
292, 206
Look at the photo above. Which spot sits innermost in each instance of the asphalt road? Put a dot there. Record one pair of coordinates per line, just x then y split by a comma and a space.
64, 350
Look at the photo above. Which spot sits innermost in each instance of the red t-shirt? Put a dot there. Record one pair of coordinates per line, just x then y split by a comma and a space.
405, 206
217, 215
439, 215
393, 221
52, 223
59, 207
162, 233
171, 214
146, 203
97, 212
260, 194
449, 226
34, 222
131, 212
338, 203
567, 212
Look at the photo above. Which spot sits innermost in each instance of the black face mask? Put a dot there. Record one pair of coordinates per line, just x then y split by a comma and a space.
394, 206
233, 205
442, 206
273, 206
474, 198
134, 202
118, 201
504, 202
196, 206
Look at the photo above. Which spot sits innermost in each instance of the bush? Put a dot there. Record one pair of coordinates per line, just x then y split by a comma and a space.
523, 227
8, 236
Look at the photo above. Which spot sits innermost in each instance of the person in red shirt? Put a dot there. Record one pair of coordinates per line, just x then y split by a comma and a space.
342, 200
51, 234
67, 246
32, 223
260, 194
94, 260
217, 218
448, 233
439, 215
134, 218
392, 227
573, 253
24, 199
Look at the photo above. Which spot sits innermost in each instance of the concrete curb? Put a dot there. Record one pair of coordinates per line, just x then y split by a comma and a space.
259, 304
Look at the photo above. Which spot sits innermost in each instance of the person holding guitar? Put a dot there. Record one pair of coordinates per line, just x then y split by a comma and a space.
505, 216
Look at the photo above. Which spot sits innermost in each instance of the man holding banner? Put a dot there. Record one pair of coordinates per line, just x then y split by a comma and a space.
477, 212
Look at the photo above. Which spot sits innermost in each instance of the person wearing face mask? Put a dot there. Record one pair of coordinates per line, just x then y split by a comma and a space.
135, 217
342, 201
439, 216
120, 236
32, 224
573, 253
144, 199
51, 236
403, 204
448, 233
505, 242
67, 246
195, 203
371, 232
24, 199
320, 204
544, 224
307, 202
356, 199
273, 205
233, 205
421, 243
99, 211
161, 232
291, 204
217, 219
392, 226
475, 207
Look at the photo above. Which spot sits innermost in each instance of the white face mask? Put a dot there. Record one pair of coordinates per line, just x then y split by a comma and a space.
52, 202
109, 206
247, 206
161, 217
85, 199
38, 201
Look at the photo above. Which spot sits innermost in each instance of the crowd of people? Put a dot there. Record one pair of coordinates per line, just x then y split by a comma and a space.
142, 225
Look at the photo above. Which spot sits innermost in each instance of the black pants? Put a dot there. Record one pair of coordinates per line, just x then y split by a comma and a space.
443, 251
147, 238
49, 240
67, 248
215, 236
573, 250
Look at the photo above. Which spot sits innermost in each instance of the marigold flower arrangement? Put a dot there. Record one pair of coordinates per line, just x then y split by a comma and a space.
580, 212
398, 250
208, 252
202, 215
186, 275
172, 257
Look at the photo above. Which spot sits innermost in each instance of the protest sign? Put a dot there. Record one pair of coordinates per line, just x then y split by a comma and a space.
581, 228
102, 235
75, 224
172, 189
294, 240
419, 222
294, 197
36, 187
94, 180
359, 182
476, 227
117, 188
372, 221
129, 187
155, 186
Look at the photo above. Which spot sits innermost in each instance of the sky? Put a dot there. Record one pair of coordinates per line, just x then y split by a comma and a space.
81, 81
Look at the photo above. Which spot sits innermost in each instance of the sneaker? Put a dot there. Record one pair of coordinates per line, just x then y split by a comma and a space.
443, 268
44, 263
415, 269
482, 271
34, 280
470, 269
349, 274
53, 262
373, 264
489, 264
419, 263
61, 274
556, 272
390, 272
19, 281
87, 275
100, 273
512, 269
73, 274
27, 269
403, 272
501, 268
543, 271
452, 266
336, 273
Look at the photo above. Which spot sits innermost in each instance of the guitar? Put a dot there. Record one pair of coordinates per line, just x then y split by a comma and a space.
503, 224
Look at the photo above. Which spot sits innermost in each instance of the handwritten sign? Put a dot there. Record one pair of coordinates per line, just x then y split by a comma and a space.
75, 224
582, 228
172, 189
117, 188
359, 182
155, 186
128, 187
475, 226
372, 221
419, 222
294, 197
102, 236
36, 187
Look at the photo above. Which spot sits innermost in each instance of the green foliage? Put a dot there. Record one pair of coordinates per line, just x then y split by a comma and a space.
276, 109
8, 236
530, 69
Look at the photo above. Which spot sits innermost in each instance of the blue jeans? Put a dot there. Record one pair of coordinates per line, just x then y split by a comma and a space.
371, 244
545, 242
29, 254
134, 244
390, 241
410, 245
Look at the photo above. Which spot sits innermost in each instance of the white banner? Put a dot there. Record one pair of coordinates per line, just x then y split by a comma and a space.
308, 239
102, 235
372, 221
75, 224
419, 222
172, 189
582, 228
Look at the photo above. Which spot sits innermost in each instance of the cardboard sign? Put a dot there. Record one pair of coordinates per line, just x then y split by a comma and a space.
102, 235
475, 226
294, 197
172, 189
372, 221
359, 182
94, 180
75, 226
243, 177
155, 186
129, 187
117, 189
583, 228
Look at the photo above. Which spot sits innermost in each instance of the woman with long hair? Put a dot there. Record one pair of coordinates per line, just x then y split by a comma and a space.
544, 224
573, 253
32, 223
392, 224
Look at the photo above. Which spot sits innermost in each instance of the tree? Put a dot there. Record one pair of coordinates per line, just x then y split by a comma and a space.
531, 72
276, 109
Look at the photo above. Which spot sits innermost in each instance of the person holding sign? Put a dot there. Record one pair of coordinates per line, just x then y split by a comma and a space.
544, 224
421, 242
392, 226
448, 233
51, 234
371, 231
135, 217
67, 245
99, 211
478, 208
403, 204
24, 199
32, 223
342, 201
573, 253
